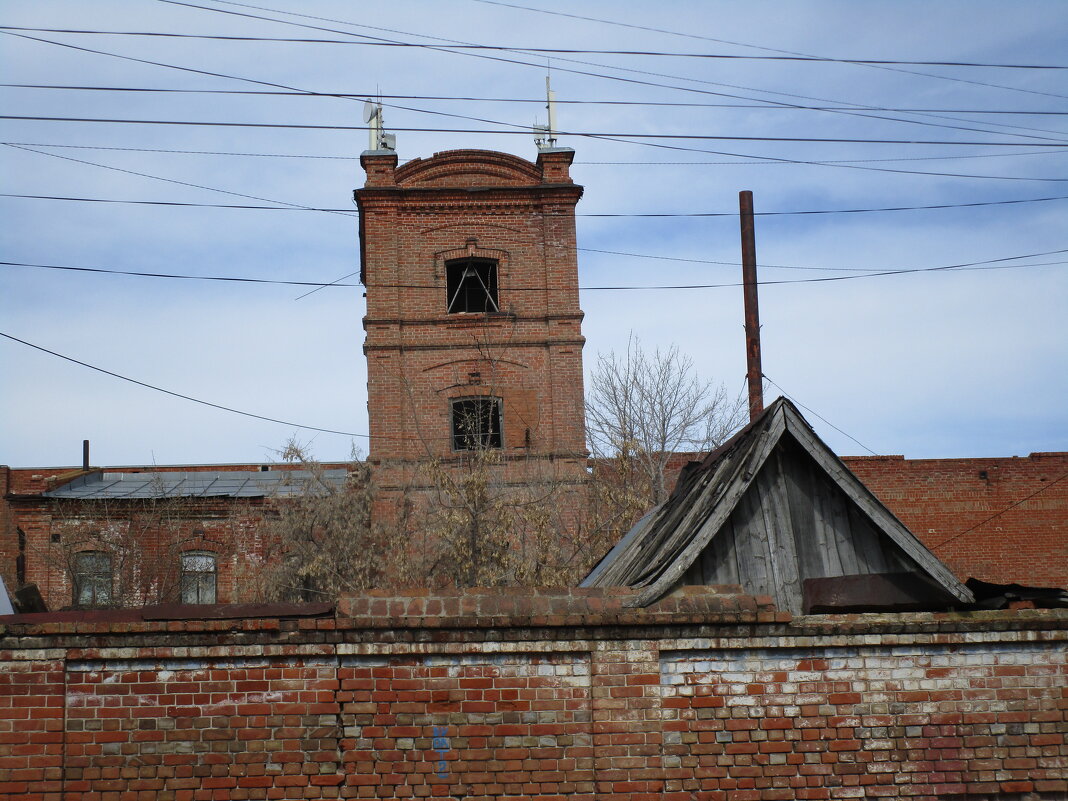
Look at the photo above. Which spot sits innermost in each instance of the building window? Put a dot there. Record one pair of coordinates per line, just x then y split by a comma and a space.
198, 578
471, 285
92, 578
476, 424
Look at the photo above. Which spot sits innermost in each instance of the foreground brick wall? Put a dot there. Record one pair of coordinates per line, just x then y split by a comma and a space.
707, 695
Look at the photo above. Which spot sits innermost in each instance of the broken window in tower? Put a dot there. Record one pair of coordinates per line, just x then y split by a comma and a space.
476, 424
471, 285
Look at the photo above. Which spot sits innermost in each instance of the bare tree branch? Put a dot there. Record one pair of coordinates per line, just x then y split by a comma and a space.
645, 407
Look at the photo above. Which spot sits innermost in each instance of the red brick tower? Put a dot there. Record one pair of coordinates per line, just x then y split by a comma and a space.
473, 326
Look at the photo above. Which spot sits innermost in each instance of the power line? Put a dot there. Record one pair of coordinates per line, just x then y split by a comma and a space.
591, 214
477, 55
191, 152
179, 394
169, 180
526, 132
452, 42
986, 264
764, 162
999, 514
234, 279
825, 269
830, 211
424, 111
821, 417
178, 203
520, 48
660, 257
781, 162
828, 162
743, 44
762, 106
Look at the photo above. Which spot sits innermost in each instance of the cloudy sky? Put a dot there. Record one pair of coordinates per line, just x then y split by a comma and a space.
960, 351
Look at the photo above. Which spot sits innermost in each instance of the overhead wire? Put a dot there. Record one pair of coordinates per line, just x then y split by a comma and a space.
172, 180
818, 415
660, 145
536, 101
743, 44
619, 136
999, 513
986, 264
180, 395
614, 163
855, 111
525, 49
638, 215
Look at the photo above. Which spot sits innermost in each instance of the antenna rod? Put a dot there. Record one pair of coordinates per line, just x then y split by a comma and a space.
550, 105
374, 128
754, 374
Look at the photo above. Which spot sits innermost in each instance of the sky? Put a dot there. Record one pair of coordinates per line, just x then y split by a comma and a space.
933, 332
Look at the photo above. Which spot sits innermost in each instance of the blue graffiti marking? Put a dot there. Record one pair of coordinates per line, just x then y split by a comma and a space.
441, 745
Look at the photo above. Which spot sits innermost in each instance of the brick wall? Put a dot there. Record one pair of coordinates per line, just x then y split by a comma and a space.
230, 528
953, 505
709, 694
485, 205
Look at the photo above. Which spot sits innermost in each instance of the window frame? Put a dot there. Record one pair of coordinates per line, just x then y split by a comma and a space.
192, 582
493, 439
460, 290
89, 589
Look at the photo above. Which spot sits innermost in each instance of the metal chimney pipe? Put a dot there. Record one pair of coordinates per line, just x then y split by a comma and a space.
754, 373
85, 455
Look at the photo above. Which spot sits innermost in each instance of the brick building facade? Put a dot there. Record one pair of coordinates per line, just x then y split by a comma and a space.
1003, 520
473, 326
142, 539
707, 695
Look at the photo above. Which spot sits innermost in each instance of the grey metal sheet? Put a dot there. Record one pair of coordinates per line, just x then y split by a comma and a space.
174, 484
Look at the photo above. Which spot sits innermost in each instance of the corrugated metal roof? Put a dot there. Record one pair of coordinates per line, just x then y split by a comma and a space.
232, 484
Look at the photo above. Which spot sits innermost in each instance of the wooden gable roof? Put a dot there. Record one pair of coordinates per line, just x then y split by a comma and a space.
771, 508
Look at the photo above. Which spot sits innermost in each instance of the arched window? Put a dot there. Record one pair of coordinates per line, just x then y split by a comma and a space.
199, 573
92, 578
476, 423
471, 285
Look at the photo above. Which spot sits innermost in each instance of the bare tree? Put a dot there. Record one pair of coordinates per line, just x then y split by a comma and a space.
478, 526
641, 408
321, 542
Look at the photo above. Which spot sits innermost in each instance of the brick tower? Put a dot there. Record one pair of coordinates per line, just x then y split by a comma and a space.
473, 327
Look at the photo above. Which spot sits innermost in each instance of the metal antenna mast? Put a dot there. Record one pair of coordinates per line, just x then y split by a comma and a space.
545, 135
